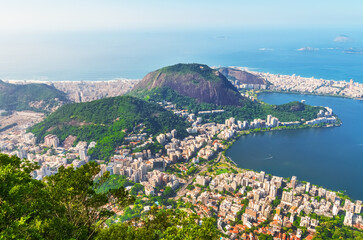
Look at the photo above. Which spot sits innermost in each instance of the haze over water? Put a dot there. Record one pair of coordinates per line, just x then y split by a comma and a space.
105, 55
328, 157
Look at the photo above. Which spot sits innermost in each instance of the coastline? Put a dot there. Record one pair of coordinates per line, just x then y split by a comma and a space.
28, 81
302, 85
284, 81
308, 93
85, 91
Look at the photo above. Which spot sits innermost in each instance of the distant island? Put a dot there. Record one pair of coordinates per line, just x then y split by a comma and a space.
342, 38
308, 49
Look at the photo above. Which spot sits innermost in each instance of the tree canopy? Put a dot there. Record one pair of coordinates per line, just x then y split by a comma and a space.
293, 111
68, 205
164, 224
106, 121
63, 206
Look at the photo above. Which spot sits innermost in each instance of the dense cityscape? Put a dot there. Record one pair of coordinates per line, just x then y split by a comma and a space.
181, 120
304, 85
196, 169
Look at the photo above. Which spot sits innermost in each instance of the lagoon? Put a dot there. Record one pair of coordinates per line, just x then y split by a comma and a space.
328, 157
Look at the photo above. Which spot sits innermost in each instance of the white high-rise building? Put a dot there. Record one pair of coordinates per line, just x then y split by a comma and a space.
261, 176
358, 206
83, 154
293, 182
269, 118
307, 187
273, 192
51, 141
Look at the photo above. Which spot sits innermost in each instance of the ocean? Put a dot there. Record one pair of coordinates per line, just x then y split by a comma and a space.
106, 55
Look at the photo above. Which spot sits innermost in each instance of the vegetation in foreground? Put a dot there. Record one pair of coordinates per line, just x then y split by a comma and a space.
67, 205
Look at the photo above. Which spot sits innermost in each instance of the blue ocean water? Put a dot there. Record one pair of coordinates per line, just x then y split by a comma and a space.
329, 157
107, 55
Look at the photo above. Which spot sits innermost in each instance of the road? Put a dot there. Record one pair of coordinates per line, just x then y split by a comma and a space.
181, 192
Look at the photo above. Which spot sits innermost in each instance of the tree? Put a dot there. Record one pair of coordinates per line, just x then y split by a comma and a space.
265, 237
67, 205
136, 189
80, 211
22, 199
276, 202
168, 192
164, 224
63, 206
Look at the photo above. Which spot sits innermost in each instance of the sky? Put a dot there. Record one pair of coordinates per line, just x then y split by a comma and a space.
19, 16
106, 39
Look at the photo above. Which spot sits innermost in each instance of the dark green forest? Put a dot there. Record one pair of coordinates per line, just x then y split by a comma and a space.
107, 121
294, 111
17, 97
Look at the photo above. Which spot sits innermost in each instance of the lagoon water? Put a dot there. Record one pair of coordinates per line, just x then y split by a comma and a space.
329, 157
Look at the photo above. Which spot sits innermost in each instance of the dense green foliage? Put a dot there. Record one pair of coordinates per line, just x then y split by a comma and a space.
21, 199
117, 181
8, 127
17, 97
154, 147
265, 237
106, 121
164, 224
67, 206
64, 206
333, 228
183, 69
294, 111
114, 182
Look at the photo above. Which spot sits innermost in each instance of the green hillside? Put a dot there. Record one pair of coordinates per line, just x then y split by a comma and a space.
196, 81
197, 87
21, 97
107, 121
293, 111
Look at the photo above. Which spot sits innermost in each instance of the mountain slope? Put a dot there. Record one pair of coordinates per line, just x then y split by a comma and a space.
196, 81
107, 121
37, 97
242, 76
181, 84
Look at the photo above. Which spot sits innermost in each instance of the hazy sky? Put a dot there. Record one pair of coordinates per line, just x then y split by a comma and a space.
69, 15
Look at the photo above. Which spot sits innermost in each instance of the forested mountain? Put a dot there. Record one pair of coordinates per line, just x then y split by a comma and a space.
107, 121
181, 84
196, 81
33, 96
